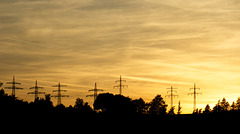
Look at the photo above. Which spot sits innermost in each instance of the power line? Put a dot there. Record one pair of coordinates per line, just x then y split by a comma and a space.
13, 87
195, 93
172, 95
36, 92
120, 86
59, 95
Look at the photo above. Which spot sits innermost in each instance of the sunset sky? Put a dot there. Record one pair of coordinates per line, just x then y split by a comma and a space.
153, 44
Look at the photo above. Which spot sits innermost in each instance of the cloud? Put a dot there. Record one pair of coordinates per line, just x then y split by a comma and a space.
149, 42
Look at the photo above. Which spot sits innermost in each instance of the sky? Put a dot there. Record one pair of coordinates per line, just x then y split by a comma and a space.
152, 44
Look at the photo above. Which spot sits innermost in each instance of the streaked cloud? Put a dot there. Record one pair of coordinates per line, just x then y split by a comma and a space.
154, 44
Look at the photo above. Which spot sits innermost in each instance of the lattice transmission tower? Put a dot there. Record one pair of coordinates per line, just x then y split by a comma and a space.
13, 87
172, 94
59, 95
195, 93
95, 92
120, 86
36, 92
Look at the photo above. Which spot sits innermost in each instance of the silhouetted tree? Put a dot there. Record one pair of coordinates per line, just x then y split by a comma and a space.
158, 106
171, 111
60, 108
2, 93
41, 105
80, 106
207, 109
48, 102
87, 108
197, 111
238, 104
179, 108
221, 106
110, 103
217, 107
140, 105
104, 102
233, 106
11, 104
225, 105
70, 108
48, 97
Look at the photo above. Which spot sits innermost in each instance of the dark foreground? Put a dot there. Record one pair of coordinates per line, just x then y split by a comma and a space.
75, 116
109, 107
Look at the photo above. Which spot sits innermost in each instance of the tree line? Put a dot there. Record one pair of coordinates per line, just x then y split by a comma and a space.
104, 103
110, 105
221, 106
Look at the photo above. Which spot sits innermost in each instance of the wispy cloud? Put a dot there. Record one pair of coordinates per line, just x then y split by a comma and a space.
167, 41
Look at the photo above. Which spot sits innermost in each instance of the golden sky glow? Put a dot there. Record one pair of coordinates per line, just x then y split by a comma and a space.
153, 44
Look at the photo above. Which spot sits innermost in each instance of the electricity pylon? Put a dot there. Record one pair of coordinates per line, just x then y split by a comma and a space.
95, 92
172, 95
59, 95
13, 87
36, 92
120, 86
195, 93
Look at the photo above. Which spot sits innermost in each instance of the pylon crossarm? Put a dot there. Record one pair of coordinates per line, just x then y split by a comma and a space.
172, 91
194, 89
13, 87
89, 95
120, 80
36, 92
195, 93
8, 87
59, 85
59, 96
171, 88
64, 95
167, 96
190, 93
41, 92
55, 96
116, 86
124, 85
14, 83
36, 87
31, 93
171, 95
59, 90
